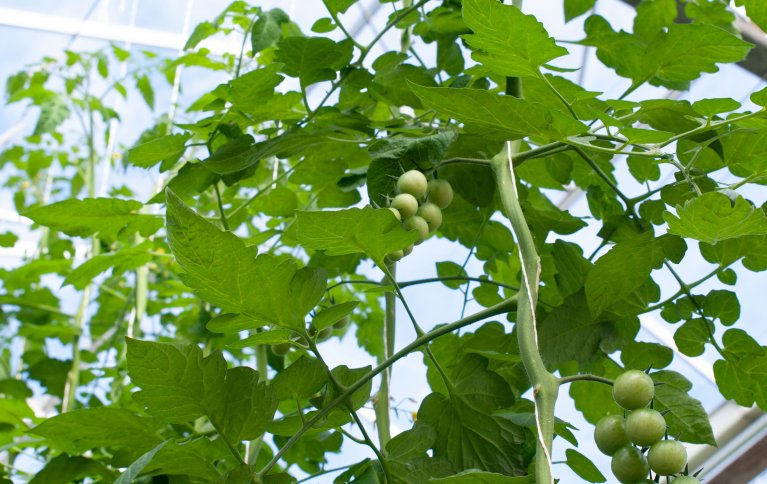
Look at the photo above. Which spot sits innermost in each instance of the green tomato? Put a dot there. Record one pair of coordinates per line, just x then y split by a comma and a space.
396, 213
667, 457
645, 426
432, 214
629, 465
412, 182
408, 250
406, 204
686, 480
440, 192
395, 256
417, 223
633, 389
610, 434
341, 323
325, 333
280, 349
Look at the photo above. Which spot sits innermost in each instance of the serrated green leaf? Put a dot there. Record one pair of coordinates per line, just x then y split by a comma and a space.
741, 375
106, 217
266, 30
305, 377
81, 430
686, 416
692, 336
712, 107
641, 356
723, 305
499, 117
576, 8
120, 262
144, 86
202, 31
255, 87
622, 270
179, 385
451, 269
66, 468
375, 232
506, 41
224, 271
712, 217
53, 112
468, 434
162, 148
570, 332
313, 59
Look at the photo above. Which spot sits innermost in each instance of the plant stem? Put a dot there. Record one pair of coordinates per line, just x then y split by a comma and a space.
545, 385
382, 410
585, 377
500, 308
73, 376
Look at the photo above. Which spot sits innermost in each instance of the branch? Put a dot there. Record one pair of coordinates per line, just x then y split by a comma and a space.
501, 308
585, 377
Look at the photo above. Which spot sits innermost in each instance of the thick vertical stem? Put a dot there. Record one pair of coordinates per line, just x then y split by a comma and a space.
383, 412
545, 385
254, 446
73, 376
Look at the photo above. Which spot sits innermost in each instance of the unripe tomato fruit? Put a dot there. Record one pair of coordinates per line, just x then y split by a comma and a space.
633, 389
281, 349
324, 333
396, 213
417, 223
610, 434
629, 465
408, 250
432, 214
406, 204
440, 192
412, 182
667, 457
395, 256
645, 426
341, 323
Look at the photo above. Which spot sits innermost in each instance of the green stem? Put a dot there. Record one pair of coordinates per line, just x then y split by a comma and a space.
585, 377
545, 385
501, 308
338, 23
73, 375
382, 410
222, 213
254, 447
594, 166
340, 388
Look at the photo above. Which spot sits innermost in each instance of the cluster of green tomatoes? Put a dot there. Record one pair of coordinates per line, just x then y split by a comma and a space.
642, 430
418, 205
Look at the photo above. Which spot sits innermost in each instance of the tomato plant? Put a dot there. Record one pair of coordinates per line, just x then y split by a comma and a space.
254, 317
